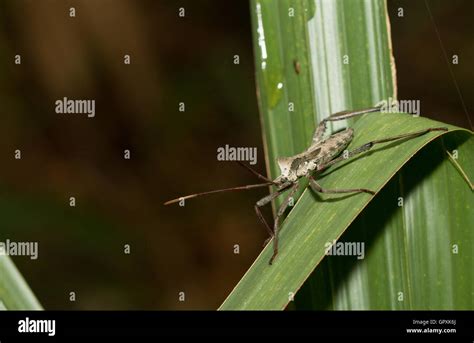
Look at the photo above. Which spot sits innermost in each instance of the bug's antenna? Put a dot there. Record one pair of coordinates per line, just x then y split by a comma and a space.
239, 188
254, 172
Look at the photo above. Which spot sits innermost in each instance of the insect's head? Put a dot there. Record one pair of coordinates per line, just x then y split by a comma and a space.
286, 170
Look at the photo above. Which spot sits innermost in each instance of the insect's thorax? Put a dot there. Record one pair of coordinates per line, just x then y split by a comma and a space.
318, 154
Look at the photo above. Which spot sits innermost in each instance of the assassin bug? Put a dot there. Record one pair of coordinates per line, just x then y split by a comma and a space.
322, 153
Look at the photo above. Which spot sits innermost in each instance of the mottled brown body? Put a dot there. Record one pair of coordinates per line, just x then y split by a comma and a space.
319, 153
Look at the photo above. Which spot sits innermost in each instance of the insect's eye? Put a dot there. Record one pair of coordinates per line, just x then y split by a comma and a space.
296, 163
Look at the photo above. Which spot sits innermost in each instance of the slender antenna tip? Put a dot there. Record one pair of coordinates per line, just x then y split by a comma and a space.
169, 202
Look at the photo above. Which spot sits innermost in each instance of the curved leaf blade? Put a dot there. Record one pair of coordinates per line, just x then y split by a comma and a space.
418, 241
318, 219
15, 294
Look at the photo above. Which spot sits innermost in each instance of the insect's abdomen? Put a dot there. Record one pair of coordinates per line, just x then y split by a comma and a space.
335, 144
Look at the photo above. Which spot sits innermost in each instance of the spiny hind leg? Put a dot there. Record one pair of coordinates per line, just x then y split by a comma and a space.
321, 129
367, 146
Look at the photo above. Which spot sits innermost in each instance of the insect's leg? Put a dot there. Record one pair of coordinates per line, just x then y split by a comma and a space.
318, 134
349, 114
316, 187
262, 202
369, 145
280, 213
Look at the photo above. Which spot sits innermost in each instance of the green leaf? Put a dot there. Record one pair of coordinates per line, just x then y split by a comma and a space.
319, 219
321, 38
418, 243
15, 294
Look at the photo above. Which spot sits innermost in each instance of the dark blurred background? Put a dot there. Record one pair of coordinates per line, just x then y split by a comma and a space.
119, 201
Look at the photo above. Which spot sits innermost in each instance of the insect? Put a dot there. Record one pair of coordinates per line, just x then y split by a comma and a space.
322, 153
297, 66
